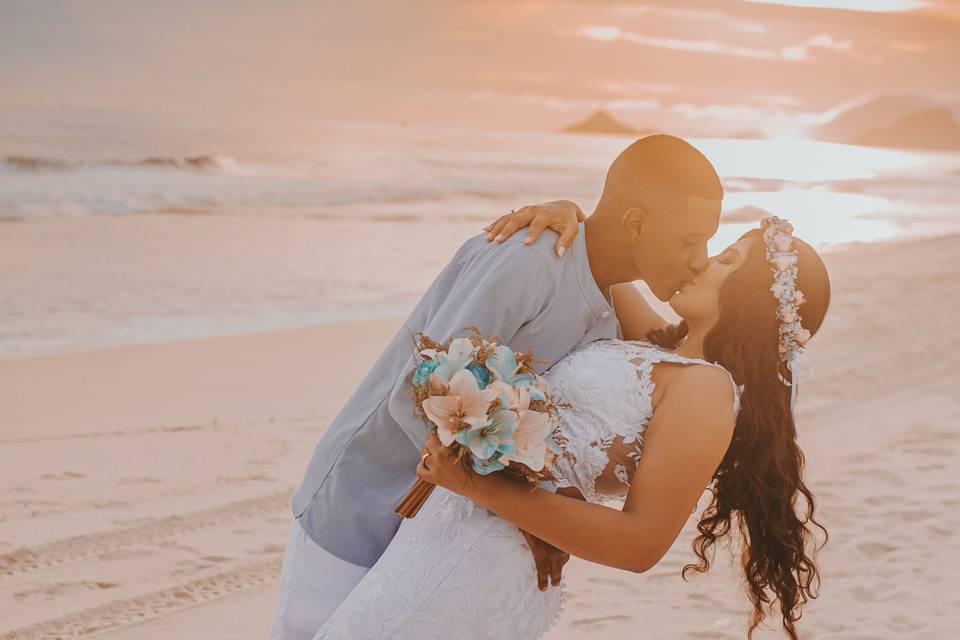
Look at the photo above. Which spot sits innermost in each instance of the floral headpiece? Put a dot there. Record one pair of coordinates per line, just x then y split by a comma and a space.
781, 253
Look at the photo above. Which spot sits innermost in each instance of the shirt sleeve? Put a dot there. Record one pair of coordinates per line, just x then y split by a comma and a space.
497, 291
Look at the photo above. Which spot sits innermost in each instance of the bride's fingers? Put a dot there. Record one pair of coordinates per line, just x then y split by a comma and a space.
497, 225
436, 450
425, 474
519, 220
536, 228
556, 567
502, 219
543, 571
565, 241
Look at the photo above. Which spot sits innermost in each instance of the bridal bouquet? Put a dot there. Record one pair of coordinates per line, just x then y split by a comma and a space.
486, 402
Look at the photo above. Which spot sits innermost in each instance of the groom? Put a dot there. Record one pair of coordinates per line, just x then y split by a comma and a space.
660, 204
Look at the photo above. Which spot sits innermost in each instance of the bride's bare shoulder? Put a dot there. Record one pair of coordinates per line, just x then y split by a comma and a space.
708, 388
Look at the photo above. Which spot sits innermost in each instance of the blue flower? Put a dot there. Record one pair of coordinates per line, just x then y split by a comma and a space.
481, 373
504, 365
496, 437
422, 375
483, 467
536, 394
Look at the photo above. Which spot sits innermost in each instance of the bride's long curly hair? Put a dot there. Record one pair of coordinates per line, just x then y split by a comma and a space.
759, 480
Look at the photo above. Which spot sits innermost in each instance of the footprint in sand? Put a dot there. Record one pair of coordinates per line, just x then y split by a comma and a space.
875, 501
609, 582
198, 565
140, 480
866, 594
940, 532
860, 458
65, 475
270, 548
912, 516
876, 549
50, 591
217, 559
710, 635
20, 488
125, 554
601, 623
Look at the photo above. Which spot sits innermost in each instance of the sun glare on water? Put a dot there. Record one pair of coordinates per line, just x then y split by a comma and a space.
827, 190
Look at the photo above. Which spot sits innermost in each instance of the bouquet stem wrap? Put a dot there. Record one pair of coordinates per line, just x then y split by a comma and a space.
414, 499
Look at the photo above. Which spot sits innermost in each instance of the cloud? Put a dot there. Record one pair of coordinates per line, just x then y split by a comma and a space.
550, 102
731, 22
795, 53
634, 105
611, 33
631, 88
822, 41
775, 121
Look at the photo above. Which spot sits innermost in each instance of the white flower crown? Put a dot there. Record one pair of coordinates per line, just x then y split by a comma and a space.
782, 253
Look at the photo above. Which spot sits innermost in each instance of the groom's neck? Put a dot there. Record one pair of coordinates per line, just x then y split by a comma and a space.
602, 244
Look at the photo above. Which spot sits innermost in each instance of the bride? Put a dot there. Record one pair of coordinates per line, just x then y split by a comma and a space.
706, 403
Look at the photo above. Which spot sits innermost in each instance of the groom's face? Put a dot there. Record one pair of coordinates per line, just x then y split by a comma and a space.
672, 247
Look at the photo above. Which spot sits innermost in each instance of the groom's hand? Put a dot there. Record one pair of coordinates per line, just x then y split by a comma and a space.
549, 560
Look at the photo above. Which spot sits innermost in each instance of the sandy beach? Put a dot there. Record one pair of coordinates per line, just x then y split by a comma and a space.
144, 489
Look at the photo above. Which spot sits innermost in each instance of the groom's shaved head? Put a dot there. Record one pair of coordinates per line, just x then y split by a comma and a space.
660, 163
660, 204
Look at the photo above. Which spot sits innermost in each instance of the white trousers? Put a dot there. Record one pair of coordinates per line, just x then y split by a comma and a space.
313, 583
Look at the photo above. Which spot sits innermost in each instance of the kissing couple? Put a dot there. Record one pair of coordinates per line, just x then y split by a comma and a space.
657, 414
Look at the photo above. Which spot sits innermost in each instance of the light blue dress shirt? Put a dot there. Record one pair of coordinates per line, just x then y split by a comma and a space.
366, 459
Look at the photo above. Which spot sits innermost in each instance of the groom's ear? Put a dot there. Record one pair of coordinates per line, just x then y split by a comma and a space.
634, 222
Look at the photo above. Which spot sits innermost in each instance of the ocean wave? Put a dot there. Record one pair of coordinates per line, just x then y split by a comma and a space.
215, 209
213, 162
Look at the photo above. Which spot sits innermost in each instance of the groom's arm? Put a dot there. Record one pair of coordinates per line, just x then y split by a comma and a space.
635, 315
495, 290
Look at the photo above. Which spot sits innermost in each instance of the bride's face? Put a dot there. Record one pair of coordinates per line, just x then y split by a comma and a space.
699, 300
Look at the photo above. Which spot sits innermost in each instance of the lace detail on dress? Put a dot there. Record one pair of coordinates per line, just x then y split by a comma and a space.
609, 385
454, 507
459, 571
451, 572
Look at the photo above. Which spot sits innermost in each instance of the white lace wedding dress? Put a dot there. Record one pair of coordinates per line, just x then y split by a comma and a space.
456, 570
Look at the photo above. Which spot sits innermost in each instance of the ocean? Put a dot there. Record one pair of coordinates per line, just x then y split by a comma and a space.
118, 232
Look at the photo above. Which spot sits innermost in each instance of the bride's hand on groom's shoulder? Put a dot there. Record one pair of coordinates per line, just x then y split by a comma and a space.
561, 216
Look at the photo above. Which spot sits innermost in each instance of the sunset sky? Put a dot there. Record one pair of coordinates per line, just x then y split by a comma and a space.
694, 66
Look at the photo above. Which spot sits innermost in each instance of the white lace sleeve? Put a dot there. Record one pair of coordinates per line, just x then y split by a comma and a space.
609, 387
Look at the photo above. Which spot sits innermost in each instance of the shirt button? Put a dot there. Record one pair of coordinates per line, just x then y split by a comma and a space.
605, 314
